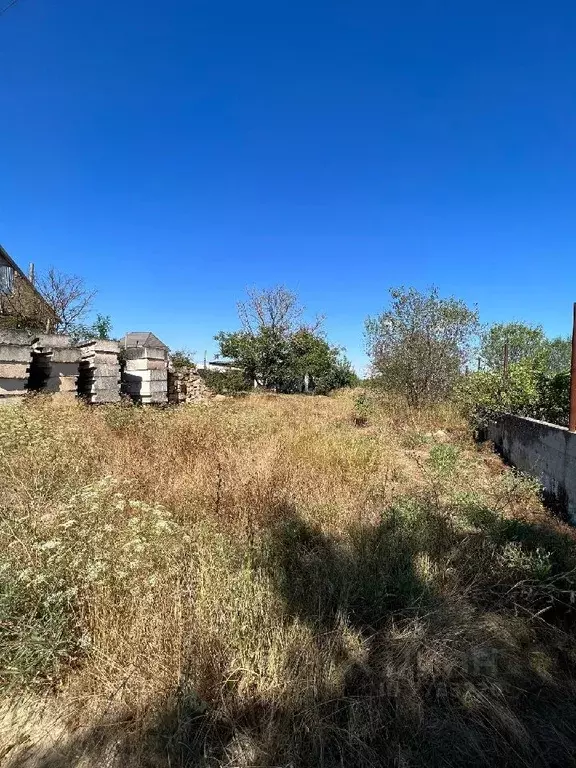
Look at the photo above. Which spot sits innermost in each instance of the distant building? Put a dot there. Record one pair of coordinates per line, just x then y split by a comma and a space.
223, 366
21, 304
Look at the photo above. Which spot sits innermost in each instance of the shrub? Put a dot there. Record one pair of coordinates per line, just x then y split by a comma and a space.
525, 390
226, 383
419, 346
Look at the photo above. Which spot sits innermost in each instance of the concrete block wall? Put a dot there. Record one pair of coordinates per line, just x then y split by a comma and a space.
544, 451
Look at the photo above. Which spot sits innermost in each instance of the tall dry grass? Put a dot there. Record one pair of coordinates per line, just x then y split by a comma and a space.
277, 581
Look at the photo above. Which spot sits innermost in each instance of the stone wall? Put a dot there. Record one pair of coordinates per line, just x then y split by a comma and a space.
185, 385
544, 451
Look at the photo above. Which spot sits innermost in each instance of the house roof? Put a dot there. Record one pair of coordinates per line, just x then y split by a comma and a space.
4, 255
143, 339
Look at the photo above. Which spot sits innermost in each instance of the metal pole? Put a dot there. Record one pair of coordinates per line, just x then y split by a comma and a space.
572, 419
506, 359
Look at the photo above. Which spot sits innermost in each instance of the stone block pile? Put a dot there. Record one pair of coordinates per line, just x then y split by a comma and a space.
145, 368
55, 366
99, 372
15, 360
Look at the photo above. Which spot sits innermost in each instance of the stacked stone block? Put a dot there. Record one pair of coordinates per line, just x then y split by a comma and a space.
99, 371
60, 360
145, 374
15, 359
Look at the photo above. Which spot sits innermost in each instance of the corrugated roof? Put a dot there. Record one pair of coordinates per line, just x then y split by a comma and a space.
143, 339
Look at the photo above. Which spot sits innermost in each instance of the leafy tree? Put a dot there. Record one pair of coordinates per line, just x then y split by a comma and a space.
525, 390
526, 343
261, 349
554, 400
340, 376
182, 358
420, 345
101, 328
485, 392
277, 350
558, 354
316, 365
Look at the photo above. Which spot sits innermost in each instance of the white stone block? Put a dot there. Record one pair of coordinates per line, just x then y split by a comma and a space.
9, 353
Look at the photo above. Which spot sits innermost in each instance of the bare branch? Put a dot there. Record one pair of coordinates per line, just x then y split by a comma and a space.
68, 296
276, 309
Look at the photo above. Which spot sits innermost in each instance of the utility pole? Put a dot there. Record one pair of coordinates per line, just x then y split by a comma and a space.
572, 419
505, 359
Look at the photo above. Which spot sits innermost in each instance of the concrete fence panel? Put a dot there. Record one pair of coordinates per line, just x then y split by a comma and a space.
544, 451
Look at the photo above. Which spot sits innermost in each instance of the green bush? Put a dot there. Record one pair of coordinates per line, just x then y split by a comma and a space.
226, 383
526, 390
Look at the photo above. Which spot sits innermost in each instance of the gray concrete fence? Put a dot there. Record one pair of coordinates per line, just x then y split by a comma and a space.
544, 451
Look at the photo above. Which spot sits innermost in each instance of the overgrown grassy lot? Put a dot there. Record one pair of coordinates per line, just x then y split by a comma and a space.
277, 581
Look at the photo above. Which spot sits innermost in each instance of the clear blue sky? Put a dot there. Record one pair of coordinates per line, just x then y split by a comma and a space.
173, 153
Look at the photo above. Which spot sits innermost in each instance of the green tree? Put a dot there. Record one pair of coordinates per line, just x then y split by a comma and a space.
182, 358
525, 390
277, 350
526, 343
101, 328
261, 348
558, 354
419, 346
315, 365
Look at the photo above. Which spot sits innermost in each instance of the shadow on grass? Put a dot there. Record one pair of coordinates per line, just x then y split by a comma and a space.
426, 653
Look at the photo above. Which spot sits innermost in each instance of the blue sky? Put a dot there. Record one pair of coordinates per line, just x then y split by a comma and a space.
175, 153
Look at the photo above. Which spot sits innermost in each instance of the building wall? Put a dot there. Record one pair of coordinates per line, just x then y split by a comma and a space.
24, 308
544, 451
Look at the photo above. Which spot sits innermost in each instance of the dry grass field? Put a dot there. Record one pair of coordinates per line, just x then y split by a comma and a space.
277, 581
